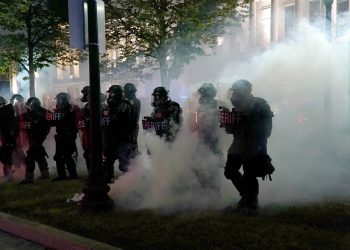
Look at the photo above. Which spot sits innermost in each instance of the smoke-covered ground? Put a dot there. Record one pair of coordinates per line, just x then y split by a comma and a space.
309, 146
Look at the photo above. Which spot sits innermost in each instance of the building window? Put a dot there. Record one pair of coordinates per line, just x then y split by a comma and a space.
68, 72
289, 20
342, 16
315, 12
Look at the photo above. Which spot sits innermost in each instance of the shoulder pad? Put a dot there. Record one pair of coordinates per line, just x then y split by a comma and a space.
260, 105
175, 105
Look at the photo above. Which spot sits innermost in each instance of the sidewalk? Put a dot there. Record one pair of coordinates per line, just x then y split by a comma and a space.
47, 236
10, 242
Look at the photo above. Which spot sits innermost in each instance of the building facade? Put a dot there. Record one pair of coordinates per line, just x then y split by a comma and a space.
269, 22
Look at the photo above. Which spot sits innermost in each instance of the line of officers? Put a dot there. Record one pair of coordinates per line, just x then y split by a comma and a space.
120, 124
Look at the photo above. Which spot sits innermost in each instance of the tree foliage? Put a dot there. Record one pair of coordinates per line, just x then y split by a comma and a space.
34, 34
168, 34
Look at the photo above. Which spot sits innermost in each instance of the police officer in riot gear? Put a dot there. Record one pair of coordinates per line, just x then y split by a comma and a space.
208, 126
249, 147
37, 127
208, 133
167, 112
8, 127
84, 122
117, 132
64, 119
130, 94
19, 106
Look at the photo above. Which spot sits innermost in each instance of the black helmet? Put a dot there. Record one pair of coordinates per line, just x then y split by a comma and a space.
161, 92
85, 92
62, 101
115, 89
130, 88
115, 94
207, 90
242, 86
159, 95
16, 97
33, 103
240, 90
2, 101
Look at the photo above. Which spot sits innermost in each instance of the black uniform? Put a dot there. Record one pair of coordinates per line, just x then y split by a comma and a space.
208, 134
249, 148
117, 132
64, 118
37, 127
130, 95
8, 132
167, 117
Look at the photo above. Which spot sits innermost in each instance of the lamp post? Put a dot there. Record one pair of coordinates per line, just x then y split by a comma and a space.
328, 21
327, 88
96, 197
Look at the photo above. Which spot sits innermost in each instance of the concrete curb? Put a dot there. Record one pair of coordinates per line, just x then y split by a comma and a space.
48, 236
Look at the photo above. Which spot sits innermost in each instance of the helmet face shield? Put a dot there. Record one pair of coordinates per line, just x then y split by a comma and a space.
114, 97
156, 100
85, 93
159, 95
206, 92
62, 101
239, 91
33, 104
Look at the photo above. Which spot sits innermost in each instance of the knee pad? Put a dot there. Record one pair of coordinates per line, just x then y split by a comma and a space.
232, 174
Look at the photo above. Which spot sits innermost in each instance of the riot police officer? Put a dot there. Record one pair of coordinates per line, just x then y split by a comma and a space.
64, 118
8, 126
19, 106
84, 122
166, 115
117, 132
130, 94
249, 146
208, 133
37, 127
208, 122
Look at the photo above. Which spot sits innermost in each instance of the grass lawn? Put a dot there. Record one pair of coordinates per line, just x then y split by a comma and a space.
312, 226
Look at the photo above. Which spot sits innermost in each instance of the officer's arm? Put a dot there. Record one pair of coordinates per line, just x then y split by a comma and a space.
266, 121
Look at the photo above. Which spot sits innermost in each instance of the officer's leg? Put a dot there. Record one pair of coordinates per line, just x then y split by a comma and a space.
125, 153
30, 166
233, 164
71, 166
44, 168
250, 185
69, 151
7, 162
59, 158
109, 158
40, 158
86, 155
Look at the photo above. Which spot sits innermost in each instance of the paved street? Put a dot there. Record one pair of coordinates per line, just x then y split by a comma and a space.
10, 242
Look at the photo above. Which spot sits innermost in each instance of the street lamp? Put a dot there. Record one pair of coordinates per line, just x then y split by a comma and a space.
96, 197
328, 21
327, 87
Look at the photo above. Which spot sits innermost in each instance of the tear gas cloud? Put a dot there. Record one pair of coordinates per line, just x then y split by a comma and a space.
309, 145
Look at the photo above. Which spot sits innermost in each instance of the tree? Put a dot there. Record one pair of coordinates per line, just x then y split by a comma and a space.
168, 34
34, 35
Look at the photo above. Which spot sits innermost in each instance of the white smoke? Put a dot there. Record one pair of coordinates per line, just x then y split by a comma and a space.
310, 148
